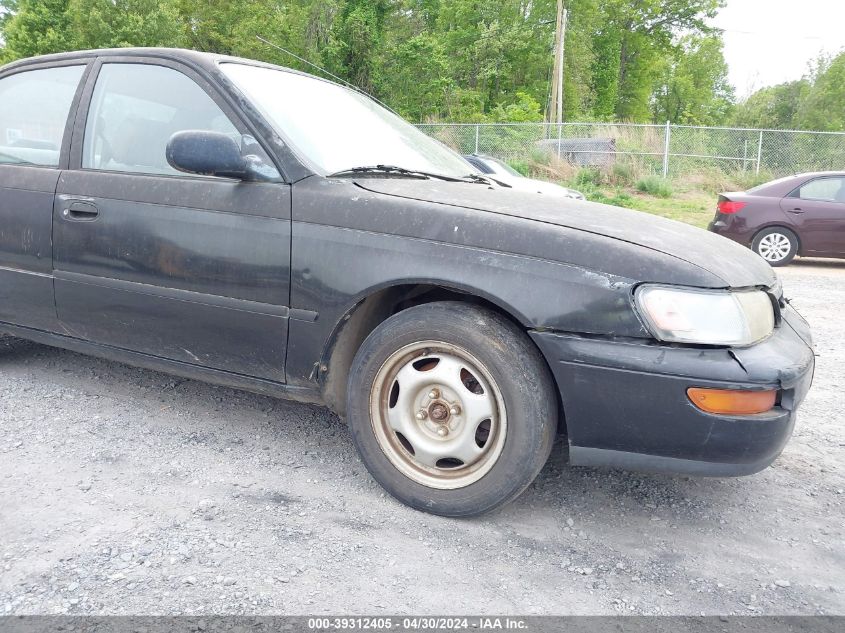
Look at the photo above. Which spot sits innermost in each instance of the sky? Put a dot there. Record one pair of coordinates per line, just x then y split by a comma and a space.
768, 42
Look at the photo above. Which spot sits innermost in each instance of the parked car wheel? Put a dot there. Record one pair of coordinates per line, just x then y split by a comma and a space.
452, 408
776, 245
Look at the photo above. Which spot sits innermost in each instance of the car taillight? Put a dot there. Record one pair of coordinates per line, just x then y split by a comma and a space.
729, 206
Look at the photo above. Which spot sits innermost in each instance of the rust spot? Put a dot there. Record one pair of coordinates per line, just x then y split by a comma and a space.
438, 411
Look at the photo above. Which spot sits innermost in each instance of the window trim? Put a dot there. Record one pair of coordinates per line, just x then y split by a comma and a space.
81, 120
796, 193
67, 133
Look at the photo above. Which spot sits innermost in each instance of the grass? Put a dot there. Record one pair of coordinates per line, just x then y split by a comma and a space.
655, 186
690, 201
693, 207
696, 208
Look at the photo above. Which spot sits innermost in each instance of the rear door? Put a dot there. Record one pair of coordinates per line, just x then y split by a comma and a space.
35, 103
188, 268
818, 210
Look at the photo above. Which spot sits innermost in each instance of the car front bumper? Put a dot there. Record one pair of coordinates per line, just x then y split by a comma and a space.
625, 403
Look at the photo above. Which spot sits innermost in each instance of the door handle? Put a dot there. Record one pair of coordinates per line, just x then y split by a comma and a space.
81, 212
797, 210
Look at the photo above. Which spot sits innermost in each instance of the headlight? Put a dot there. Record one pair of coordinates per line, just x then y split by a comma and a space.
706, 317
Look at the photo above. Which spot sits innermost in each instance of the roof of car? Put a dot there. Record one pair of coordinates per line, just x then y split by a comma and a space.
786, 184
804, 175
817, 174
195, 58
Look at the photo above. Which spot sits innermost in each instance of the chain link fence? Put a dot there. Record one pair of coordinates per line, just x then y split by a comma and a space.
669, 150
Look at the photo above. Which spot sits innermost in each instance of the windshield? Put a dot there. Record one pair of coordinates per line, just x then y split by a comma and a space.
502, 168
338, 129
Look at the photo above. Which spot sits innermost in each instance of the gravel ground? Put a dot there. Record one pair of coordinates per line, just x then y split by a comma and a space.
124, 491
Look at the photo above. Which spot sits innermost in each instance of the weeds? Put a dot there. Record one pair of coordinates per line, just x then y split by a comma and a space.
633, 185
655, 186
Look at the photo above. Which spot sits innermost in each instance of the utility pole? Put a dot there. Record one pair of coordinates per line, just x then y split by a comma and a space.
556, 105
564, 21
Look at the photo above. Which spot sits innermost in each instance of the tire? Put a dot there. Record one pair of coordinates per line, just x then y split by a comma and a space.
488, 403
777, 245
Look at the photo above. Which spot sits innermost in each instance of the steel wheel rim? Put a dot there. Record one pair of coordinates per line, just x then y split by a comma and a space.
427, 416
774, 247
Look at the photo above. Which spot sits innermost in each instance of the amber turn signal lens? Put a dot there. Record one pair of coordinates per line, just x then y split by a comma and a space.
732, 401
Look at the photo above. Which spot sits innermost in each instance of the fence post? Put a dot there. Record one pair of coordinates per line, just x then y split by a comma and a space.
745, 157
559, 138
666, 150
477, 128
759, 152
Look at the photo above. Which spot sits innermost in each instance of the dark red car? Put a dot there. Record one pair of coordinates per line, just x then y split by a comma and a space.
798, 215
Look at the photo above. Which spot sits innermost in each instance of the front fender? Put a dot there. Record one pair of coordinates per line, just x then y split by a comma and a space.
349, 242
344, 266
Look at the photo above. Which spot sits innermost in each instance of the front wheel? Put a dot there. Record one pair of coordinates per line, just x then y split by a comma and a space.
776, 245
452, 408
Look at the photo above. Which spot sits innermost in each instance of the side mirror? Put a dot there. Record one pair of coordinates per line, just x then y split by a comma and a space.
209, 154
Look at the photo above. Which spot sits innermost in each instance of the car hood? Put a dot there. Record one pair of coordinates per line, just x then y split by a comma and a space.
535, 186
735, 265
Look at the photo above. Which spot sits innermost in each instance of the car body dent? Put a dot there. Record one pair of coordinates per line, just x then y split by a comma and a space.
638, 391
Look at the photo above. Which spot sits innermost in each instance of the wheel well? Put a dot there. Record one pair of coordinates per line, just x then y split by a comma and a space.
361, 320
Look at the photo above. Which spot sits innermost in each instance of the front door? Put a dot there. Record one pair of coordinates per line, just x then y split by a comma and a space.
188, 268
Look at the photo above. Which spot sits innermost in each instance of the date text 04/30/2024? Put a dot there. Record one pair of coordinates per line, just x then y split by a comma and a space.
417, 624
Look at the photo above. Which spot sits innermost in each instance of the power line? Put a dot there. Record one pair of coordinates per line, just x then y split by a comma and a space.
771, 33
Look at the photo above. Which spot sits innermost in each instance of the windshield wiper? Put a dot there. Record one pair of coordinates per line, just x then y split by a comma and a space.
416, 173
393, 170
485, 179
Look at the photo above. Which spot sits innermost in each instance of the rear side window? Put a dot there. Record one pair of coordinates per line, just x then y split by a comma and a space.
825, 189
34, 107
136, 108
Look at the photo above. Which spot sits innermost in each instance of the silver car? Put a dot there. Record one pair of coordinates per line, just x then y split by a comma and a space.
507, 174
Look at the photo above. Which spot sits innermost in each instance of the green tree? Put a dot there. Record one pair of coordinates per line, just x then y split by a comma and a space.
695, 88
216, 26
416, 75
525, 109
120, 23
356, 41
640, 35
823, 105
814, 102
775, 107
468, 60
36, 27
605, 76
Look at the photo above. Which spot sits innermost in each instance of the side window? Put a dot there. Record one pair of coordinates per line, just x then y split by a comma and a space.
34, 106
826, 189
136, 108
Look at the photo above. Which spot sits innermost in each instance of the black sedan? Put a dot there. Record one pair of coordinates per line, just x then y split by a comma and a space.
252, 226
